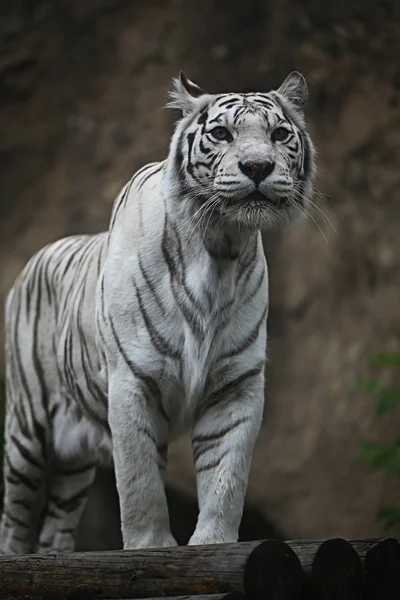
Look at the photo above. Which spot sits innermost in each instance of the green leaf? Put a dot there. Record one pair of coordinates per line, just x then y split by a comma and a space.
388, 400
385, 359
384, 457
376, 454
381, 456
370, 386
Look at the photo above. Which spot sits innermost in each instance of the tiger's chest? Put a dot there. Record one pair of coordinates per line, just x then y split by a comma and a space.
191, 349
186, 378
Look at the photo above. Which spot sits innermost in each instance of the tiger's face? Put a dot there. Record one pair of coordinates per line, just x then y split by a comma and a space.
247, 158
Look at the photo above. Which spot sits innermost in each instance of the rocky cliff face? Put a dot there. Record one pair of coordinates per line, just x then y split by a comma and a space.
81, 90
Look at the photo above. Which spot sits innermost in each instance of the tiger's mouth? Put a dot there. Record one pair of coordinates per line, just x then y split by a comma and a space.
258, 199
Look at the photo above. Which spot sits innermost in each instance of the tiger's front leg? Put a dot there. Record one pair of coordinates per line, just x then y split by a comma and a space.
140, 433
223, 439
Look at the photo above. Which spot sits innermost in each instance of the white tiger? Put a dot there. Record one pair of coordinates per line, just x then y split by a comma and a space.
118, 342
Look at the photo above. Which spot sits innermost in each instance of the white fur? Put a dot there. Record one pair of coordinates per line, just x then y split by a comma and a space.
151, 329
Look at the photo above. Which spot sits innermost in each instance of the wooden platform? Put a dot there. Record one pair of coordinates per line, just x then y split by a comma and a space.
270, 570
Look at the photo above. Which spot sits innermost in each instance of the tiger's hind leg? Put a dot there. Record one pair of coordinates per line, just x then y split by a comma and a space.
69, 485
23, 468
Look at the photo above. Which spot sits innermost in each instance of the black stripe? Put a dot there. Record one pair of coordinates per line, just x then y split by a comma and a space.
125, 194
147, 177
256, 288
248, 258
28, 298
69, 254
18, 409
203, 449
22, 502
182, 275
25, 453
204, 148
216, 436
214, 464
35, 352
178, 279
179, 157
191, 166
69, 262
283, 109
251, 268
203, 116
246, 343
65, 472
232, 386
146, 379
46, 281
80, 396
307, 162
74, 386
91, 385
230, 101
38, 428
263, 102
158, 340
16, 520
151, 286
241, 111
73, 502
32, 484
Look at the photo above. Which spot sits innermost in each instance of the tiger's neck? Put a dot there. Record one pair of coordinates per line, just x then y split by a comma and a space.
201, 230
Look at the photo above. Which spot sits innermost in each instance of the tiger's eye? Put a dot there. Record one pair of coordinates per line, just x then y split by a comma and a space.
280, 134
221, 133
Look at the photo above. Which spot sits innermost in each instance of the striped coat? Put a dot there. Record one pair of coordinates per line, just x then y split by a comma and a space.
118, 342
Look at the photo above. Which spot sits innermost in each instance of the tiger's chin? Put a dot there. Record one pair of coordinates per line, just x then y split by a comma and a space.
259, 212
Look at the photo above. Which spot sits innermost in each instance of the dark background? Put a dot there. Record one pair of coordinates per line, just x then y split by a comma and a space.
82, 86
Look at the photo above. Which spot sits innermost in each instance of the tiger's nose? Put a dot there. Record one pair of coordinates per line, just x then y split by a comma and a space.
257, 171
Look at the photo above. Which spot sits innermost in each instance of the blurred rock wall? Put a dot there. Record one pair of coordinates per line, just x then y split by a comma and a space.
82, 85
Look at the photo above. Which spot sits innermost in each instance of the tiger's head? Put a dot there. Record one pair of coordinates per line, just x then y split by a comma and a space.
246, 159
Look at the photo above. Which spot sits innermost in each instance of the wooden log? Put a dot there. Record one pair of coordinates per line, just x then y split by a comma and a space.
273, 570
337, 572
382, 568
186, 570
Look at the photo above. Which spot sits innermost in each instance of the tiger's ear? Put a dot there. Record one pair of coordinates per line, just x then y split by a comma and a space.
185, 95
192, 89
294, 89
